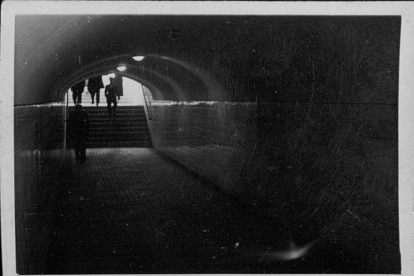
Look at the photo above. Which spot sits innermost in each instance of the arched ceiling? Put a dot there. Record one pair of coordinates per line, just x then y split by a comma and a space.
196, 58
54, 52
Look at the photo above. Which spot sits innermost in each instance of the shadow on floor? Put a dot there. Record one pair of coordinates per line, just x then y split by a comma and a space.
131, 211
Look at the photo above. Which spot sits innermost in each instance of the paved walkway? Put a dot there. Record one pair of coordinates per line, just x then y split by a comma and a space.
128, 210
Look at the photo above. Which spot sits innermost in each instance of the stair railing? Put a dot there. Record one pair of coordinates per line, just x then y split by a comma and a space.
65, 131
146, 104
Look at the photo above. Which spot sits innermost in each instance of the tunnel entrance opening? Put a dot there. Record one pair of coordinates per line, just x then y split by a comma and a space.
132, 93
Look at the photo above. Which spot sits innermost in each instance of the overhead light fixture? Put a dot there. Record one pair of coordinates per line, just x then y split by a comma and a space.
138, 58
121, 68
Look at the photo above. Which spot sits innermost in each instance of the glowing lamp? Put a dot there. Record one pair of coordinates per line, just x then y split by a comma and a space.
138, 58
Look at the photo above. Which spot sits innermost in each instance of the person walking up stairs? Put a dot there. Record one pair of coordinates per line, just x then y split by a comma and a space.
111, 93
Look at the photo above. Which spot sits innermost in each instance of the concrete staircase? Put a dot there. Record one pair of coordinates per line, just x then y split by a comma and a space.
128, 129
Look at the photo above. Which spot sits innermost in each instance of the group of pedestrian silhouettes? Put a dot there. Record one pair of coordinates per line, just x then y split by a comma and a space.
78, 122
112, 92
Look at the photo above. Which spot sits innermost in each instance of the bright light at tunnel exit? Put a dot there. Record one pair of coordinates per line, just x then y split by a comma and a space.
132, 91
121, 68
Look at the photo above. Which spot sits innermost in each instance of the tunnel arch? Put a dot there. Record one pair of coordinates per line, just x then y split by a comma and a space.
168, 77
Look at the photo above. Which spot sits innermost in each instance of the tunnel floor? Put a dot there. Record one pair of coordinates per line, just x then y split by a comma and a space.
129, 210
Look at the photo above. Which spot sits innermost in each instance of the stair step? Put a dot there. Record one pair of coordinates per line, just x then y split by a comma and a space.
105, 112
117, 122
104, 108
128, 129
119, 144
106, 141
118, 133
119, 128
117, 119
119, 136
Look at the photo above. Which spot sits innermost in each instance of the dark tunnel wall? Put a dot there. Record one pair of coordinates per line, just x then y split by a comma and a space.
320, 143
332, 142
335, 178
39, 158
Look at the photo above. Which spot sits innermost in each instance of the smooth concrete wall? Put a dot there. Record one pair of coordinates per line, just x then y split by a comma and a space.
39, 162
214, 139
325, 170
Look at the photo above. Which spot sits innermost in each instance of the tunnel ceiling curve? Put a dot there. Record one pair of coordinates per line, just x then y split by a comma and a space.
166, 77
52, 52
192, 58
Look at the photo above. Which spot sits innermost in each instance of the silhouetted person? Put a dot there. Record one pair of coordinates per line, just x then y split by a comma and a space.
78, 125
77, 91
111, 93
94, 87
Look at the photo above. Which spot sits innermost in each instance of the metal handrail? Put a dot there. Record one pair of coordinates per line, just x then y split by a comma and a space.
146, 104
65, 131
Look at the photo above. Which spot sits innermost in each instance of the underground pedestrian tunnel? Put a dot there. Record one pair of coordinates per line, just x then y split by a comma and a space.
290, 121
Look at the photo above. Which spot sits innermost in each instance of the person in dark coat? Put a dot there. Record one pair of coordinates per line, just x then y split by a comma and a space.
111, 93
78, 129
94, 87
77, 91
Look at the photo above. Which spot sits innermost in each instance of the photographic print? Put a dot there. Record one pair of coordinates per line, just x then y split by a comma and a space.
195, 142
